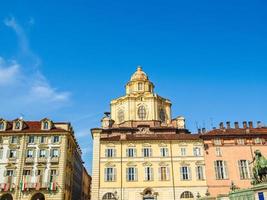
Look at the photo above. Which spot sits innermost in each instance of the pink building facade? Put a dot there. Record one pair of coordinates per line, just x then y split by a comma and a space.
228, 154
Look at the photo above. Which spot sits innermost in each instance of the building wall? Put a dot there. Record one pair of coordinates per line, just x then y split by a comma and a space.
166, 189
231, 152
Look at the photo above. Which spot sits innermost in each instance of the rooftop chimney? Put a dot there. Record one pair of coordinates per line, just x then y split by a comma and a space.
250, 124
245, 125
221, 125
228, 125
236, 125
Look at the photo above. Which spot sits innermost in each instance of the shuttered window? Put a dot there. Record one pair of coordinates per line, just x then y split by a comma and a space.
185, 173
110, 174
148, 173
244, 169
131, 174
220, 169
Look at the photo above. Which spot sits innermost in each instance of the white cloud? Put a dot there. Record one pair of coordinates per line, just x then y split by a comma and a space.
8, 72
21, 78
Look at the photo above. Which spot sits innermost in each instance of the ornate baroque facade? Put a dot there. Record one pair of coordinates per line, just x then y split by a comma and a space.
142, 153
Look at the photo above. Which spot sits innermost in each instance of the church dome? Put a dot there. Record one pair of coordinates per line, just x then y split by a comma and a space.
139, 75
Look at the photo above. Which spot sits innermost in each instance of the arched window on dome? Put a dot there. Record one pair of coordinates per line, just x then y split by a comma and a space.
162, 115
142, 112
120, 115
187, 195
140, 86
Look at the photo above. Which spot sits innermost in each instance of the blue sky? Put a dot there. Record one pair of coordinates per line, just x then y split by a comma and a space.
67, 59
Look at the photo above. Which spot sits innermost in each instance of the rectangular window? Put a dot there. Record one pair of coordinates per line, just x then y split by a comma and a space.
164, 152
217, 141
29, 153
197, 151
42, 139
147, 152
240, 141
26, 172
111, 152
31, 139
14, 139
9, 173
183, 151
110, 174
148, 174
200, 172
220, 169
140, 86
164, 173
244, 169
218, 151
55, 139
131, 174
12, 153
54, 153
131, 152
42, 153
257, 141
185, 173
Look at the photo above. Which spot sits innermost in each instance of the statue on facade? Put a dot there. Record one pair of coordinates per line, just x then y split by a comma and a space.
259, 169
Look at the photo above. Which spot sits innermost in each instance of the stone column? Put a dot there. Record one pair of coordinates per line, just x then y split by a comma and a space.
96, 164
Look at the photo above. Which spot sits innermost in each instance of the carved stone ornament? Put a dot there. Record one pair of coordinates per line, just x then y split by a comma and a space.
143, 130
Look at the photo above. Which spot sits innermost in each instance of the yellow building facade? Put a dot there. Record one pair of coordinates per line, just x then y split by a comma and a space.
141, 152
39, 160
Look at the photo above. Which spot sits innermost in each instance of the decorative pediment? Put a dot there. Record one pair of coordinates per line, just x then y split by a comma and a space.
147, 164
110, 164
163, 164
162, 145
200, 162
11, 166
131, 145
146, 145
184, 163
132, 164
183, 144
143, 131
110, 145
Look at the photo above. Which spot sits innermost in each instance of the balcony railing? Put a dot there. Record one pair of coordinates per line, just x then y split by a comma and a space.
54, 160
42, 160
52, 186
29, 160
4, 187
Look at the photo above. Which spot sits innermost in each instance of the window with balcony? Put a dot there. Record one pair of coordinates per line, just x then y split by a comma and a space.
164, 152
42, 153
110, 174
185, 173
9, 172
29, 153
53, 175
131, 174
147, 152
54, 153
